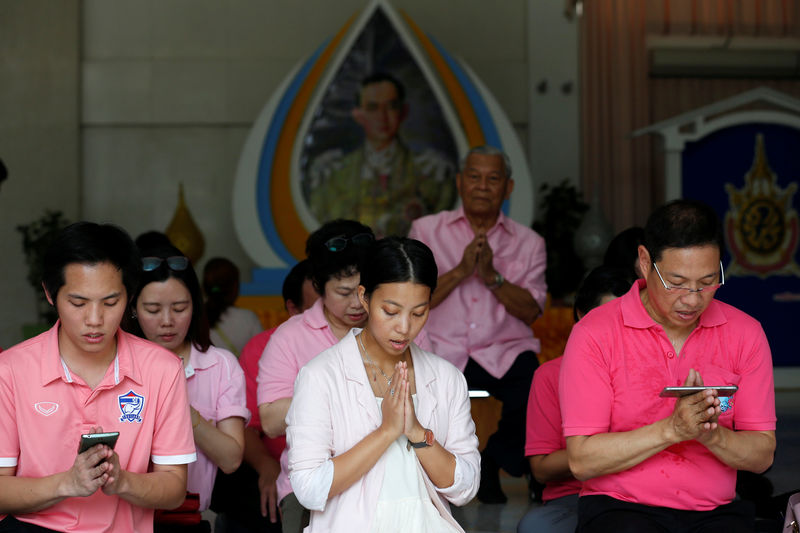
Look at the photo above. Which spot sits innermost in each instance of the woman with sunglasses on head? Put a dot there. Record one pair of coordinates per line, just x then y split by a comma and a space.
380, 433
168, 310
334, 251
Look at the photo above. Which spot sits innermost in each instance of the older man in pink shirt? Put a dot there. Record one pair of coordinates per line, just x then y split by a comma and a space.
490, 289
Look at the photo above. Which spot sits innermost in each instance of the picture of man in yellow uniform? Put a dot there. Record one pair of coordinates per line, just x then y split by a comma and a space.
381, 183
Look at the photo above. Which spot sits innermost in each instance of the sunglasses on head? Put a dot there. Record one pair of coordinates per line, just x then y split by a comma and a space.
337, 244
175, 262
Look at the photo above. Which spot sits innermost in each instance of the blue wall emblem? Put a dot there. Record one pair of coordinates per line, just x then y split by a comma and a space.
131, 405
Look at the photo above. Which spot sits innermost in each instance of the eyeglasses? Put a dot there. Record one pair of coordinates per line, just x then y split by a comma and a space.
337, 244
175, 262
687, 290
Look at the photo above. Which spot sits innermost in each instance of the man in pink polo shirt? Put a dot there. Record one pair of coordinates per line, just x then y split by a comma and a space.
85, 375
651, 463
491, 288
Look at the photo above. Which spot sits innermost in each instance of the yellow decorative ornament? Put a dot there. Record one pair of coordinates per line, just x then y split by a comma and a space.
183, 231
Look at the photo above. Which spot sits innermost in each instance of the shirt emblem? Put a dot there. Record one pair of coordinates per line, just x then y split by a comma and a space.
131, 405
725, 403
46, 408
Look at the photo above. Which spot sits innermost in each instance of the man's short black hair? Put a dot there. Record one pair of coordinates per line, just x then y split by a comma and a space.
682, 224
90, 244
379, 77
327, 264
293, 283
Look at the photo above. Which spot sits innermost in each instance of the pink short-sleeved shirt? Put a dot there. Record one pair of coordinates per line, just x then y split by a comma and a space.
296, 342
616, 362
215, 382
251, 354
471, 322
44, 409
543, 433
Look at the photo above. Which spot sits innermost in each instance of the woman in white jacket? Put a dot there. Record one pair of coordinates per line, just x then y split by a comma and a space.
380, 433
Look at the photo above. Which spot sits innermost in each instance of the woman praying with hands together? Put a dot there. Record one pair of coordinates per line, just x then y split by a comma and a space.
380, 432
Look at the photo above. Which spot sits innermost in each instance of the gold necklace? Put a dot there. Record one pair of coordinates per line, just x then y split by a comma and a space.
371, 362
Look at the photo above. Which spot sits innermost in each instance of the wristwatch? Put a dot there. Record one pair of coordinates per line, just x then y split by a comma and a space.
498, 282
427, 441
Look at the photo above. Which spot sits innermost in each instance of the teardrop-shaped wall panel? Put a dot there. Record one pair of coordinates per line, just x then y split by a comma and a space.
325, 147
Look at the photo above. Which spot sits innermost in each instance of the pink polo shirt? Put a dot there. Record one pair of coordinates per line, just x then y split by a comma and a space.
248, 360
215, 382
44, 409
543, 433
471, 322
616, 362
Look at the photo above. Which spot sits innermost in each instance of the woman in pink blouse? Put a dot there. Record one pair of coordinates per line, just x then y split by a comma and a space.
168, 310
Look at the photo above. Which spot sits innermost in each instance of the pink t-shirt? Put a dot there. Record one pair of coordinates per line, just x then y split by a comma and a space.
215, 382
295, 342
543, 428
471, 322
251, 354
44, 409
616, 362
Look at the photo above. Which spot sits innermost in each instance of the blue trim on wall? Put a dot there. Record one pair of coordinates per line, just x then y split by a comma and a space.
264, 177
266, 282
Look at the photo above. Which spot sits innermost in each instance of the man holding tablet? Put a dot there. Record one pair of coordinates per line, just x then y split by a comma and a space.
86, 376
668, 463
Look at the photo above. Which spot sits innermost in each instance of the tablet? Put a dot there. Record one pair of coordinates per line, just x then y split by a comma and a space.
89, 440
676, 392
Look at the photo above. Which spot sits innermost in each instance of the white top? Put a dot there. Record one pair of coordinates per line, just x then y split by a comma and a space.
404, 503
235, 328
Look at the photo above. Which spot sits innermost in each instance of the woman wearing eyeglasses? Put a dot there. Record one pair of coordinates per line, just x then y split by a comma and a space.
380, 434
168, 310
334, 252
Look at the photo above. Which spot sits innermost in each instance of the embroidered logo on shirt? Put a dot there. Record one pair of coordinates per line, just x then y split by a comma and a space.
46, 408
725, 403
131, 405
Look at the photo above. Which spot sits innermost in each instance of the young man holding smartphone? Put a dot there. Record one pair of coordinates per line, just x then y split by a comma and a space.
85, 375
650, 463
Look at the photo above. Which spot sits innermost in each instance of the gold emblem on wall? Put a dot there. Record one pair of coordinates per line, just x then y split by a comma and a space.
761, 226
183, 231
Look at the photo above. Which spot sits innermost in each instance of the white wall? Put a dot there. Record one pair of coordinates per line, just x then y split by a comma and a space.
169, 89
39, 136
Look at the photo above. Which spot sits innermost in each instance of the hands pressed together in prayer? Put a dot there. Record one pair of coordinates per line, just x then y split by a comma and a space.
695, 416
478, 255
397, 408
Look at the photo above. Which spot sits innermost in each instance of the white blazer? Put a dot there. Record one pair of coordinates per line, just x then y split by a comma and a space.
334, 408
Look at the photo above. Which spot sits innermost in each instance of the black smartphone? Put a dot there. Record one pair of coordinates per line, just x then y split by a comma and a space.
677, 392
89, 440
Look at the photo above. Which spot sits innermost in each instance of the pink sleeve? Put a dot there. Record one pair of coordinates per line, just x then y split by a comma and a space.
232, 399
9, 437
251, 353
534, 274
543, 429
584, 386
277, 368
755, 399
172, 434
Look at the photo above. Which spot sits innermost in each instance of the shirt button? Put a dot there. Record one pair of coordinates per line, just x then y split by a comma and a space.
472, 326
670, 354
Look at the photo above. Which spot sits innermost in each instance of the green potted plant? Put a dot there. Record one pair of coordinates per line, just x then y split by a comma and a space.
36, 238
561, 211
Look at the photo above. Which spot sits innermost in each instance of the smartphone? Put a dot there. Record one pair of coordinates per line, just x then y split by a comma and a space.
677, 392
89, 440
